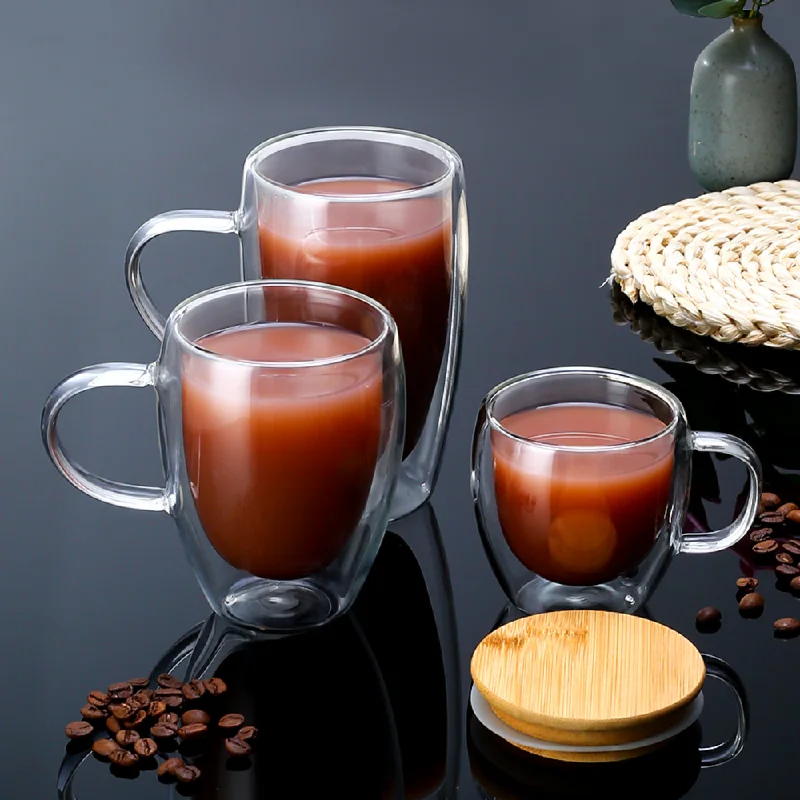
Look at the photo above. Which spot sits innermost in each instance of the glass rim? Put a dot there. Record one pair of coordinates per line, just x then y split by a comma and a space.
398, 136
217, 293
613, 375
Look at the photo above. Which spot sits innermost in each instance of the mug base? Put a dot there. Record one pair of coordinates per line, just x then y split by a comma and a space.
278, 605
540, 595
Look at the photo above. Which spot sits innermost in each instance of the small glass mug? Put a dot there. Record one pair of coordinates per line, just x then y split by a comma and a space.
379, 211
580, 480
279, 474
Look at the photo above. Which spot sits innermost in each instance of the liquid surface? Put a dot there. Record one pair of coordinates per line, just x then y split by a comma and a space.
581, 518
398, 252
281, 460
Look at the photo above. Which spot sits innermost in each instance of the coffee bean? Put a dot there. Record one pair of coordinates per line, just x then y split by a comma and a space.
139, 683
163, 731
784, 558
248, 732
794, 584
167, 691
770, 500
747, 584
216, 686
707, 619
792, 548
793, 516
787, 627
98, 698
232, 721
186, 774
170, 719
765, 548
237, 747
146, 748
173, 701
193, 731
751, 605
103, 748
195, 715
120, 691
133, 703
168, 767
785, 573
786, 508
193, 690
772, 518
121, 711
156, 708
122, 758
760, 534
136, 720
77, 730
113, 726
93, 713
127, 738
167, 681
143, 697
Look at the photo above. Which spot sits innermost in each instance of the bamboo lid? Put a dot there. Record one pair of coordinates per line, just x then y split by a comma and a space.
587, 677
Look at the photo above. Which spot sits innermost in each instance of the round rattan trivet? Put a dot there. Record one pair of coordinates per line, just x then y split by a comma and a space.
723, 265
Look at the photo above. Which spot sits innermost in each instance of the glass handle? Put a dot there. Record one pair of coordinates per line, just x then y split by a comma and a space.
718, 754
127, 495
171, 221
706, 442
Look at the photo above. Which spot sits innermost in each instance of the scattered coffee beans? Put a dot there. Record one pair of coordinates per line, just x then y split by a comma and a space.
794, 584
707, 619
786, 508
793, 516
103, 748
237, 747
751, 605
759, 534
77, 730
791, 547
786, 573
787, 627
765, 547
196, 715
747, 584
770, 500
145, 748
129, 705
784, 558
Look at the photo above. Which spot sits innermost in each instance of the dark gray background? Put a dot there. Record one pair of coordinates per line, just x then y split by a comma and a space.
570, 118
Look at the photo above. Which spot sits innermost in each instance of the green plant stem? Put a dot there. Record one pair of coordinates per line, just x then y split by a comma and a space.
757, 6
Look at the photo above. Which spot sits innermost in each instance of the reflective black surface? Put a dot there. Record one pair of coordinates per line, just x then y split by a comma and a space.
571, 122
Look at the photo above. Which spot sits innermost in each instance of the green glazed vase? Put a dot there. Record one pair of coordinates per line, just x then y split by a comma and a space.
743, 113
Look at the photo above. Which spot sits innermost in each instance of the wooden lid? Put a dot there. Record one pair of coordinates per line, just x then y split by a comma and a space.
587, 677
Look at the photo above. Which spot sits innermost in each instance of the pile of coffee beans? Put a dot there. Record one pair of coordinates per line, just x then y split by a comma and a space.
772, 544
130, 725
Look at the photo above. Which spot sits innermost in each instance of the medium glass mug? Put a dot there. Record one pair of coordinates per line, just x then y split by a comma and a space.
580, 480
380, 211
280, 416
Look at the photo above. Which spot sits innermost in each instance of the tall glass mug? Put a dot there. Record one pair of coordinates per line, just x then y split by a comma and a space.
280, 416
580, 478
379, 211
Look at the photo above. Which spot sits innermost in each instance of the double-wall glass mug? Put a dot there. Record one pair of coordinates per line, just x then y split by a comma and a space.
280, 417
379, 211
580, 480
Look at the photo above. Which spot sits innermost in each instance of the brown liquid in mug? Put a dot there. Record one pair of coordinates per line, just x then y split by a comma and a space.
581, 518
281, 462
397, 252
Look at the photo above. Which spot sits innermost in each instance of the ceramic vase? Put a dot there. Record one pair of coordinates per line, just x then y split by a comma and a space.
743, 114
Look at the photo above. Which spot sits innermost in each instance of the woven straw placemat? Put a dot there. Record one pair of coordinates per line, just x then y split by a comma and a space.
723, 265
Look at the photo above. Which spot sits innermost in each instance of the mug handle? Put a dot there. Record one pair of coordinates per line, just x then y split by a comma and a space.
127, 495
703, 441
722, 753
187, 220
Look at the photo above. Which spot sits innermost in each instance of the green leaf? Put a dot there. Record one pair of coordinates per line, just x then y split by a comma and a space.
690, 7
722, 9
